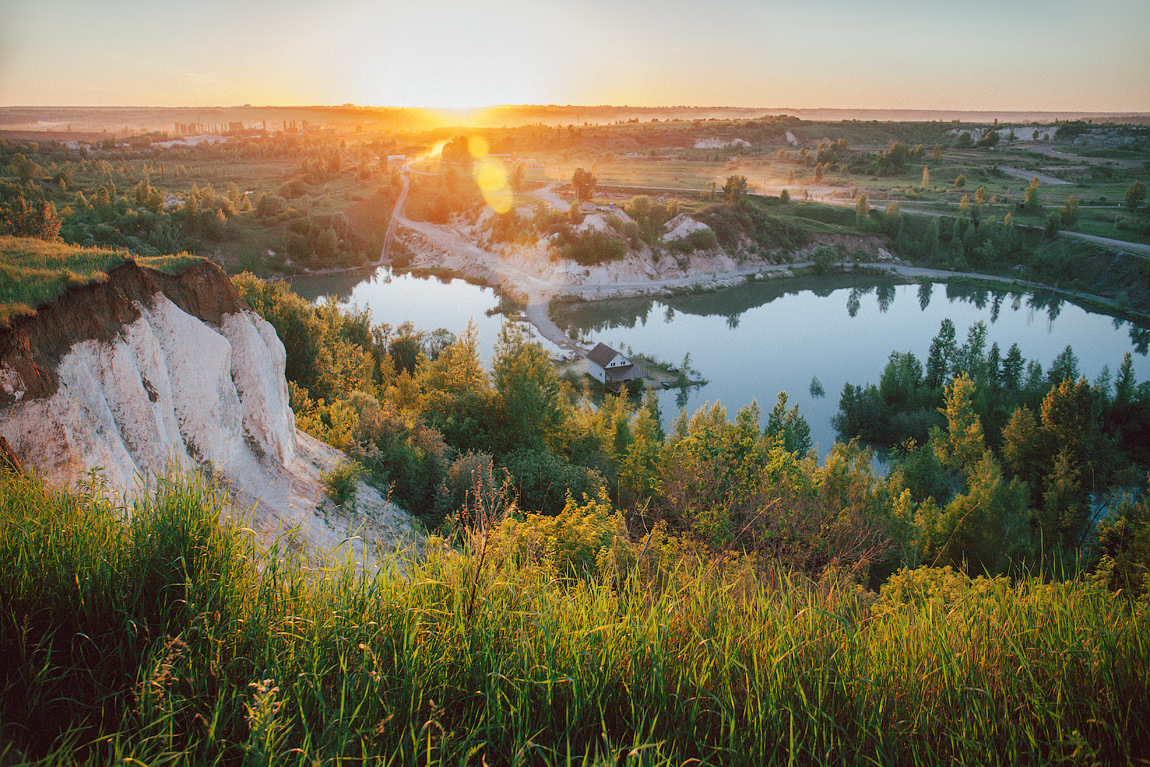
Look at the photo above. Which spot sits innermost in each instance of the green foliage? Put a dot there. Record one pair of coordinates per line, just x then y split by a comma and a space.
588, 541
789, 427
34, 273
584, 183
737, 226
172, 638
593, 247
1122, 548
1135, 194
735, 190
340, 481
825, 257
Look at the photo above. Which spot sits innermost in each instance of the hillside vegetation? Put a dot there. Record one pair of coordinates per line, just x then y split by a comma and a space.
165, 635
34, 272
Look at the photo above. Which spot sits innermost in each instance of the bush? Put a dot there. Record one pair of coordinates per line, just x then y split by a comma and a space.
594, 247
825, 257
340, 481
270, 205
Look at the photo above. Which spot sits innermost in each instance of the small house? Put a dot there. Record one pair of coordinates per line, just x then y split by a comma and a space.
608, 366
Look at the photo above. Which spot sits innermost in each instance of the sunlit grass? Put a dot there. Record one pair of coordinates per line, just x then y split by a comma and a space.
34, 272
172, 635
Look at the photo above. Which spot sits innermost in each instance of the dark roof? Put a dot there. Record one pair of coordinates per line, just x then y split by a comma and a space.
602, 355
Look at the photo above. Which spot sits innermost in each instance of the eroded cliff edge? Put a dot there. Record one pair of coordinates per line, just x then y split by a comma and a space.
148, 370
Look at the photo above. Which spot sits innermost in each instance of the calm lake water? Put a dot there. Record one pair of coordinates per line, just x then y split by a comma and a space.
427, 302
752, 341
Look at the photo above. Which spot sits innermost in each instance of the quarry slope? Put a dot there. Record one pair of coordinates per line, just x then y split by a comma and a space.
146, 372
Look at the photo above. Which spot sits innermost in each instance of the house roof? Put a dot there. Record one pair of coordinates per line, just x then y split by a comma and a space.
602, 355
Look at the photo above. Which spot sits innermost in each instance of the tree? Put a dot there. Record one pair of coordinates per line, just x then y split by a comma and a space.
960, 181
1064, 367
784, 196
528, 390
518, 172
1020, 445
1032, 194
457, 151
964, 141
925, 176
735, 190
46, 224
862, 209
1012, 368
790, 428
892, 219
1135, 194
936, 154
962, 445
584, 184
990, 140
943, 350
1069, 211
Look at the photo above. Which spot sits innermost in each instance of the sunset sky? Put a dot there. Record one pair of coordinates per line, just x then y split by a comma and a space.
898, 54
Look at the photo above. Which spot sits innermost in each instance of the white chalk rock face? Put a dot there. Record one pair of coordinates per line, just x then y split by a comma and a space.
173, 390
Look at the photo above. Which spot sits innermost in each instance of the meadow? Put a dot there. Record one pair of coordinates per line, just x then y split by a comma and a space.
161, 634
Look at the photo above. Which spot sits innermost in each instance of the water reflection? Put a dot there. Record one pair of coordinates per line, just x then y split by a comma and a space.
754, 340
925, 290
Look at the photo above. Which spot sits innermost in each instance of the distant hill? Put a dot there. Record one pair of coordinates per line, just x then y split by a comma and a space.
65, 123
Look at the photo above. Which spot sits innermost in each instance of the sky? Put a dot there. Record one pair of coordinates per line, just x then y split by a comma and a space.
1033, 55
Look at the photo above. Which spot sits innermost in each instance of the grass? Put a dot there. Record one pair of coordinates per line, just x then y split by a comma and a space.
34, 272
169, 635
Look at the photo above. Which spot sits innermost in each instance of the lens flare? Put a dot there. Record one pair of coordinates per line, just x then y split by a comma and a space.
490, 175
478, 146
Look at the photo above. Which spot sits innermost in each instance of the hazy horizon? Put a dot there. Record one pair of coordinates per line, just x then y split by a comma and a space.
1049, 57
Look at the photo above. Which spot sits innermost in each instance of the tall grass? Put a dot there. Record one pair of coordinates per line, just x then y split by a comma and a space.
34, 272
167, 634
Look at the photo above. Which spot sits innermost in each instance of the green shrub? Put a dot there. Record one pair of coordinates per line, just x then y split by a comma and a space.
340, 481
594, 247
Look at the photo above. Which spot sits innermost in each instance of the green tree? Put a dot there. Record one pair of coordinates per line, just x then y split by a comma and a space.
787, 426
964, 141
1069, 212
963, 444
735, 190
892, 219
1020, 445
1032, 202
1064, 367
940, 359
959, 181
1012, 367
980, 529
936, 153
862, 209
584, 184
529, 393
1135, 194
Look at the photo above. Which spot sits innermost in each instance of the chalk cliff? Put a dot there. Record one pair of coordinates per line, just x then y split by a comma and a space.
146, 371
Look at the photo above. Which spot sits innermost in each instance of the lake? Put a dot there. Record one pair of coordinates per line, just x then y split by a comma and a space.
754, 340
427, 302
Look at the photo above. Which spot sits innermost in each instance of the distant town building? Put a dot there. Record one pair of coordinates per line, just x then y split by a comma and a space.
608, 366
